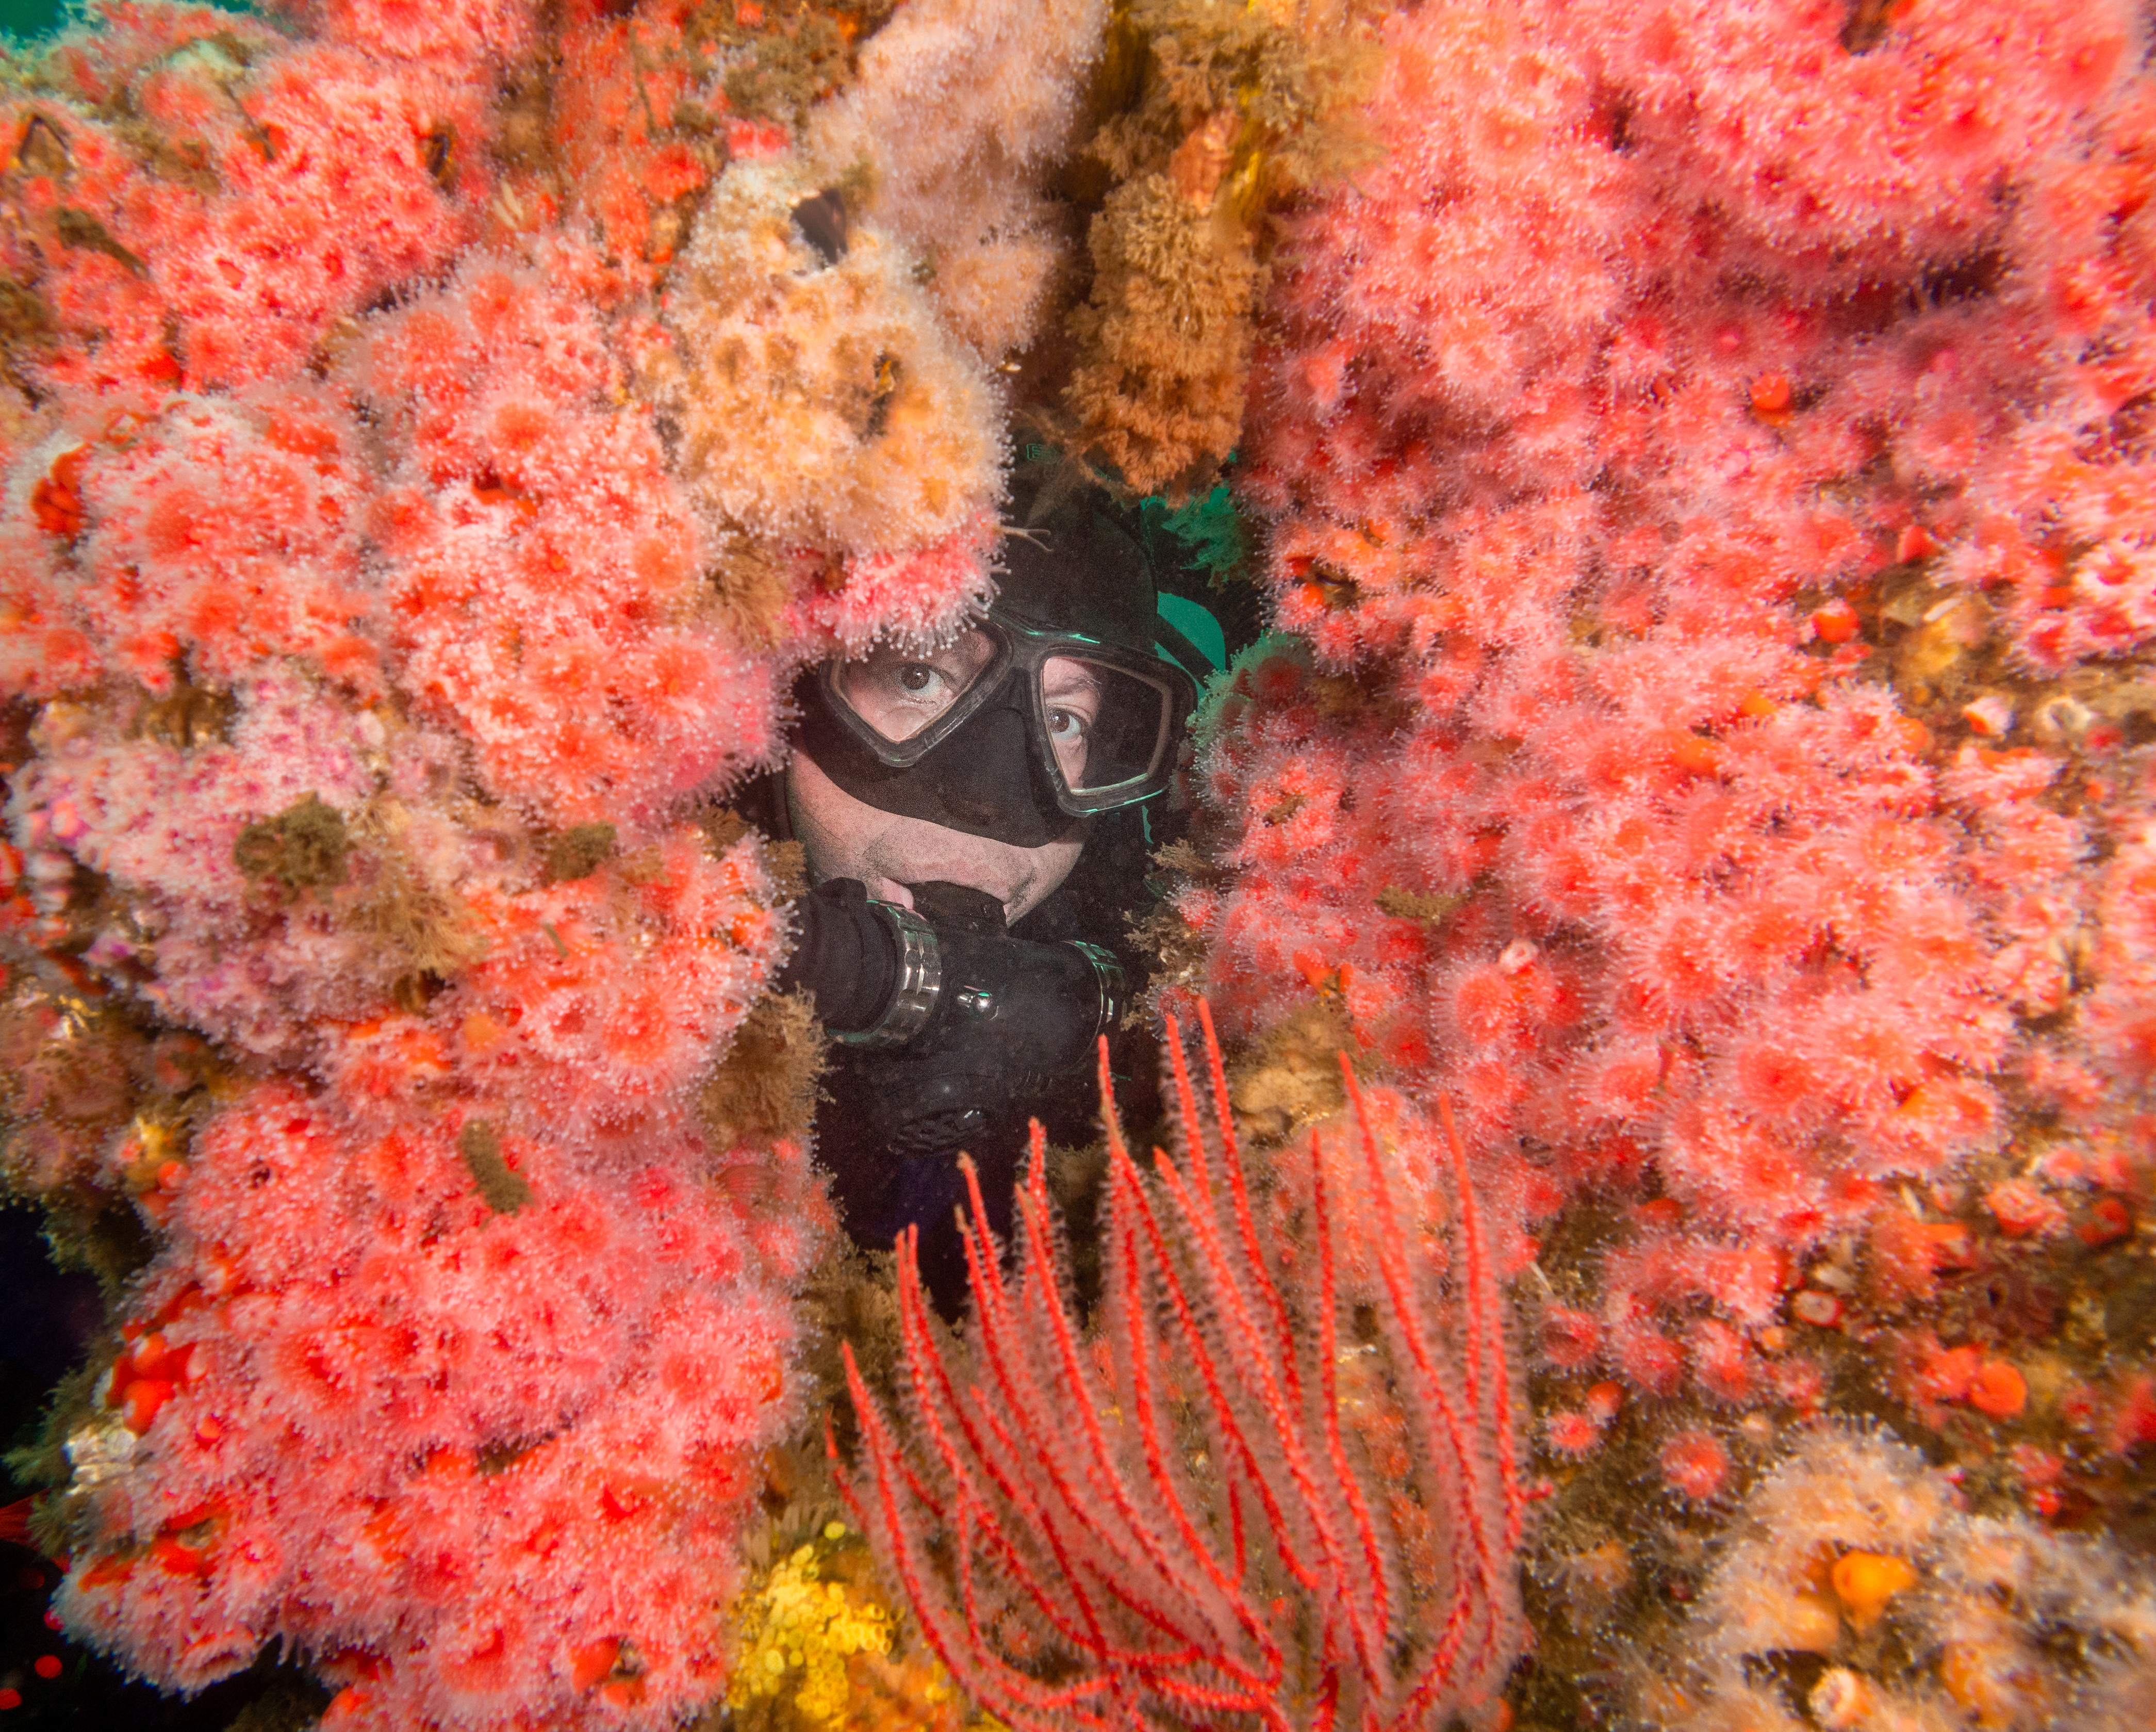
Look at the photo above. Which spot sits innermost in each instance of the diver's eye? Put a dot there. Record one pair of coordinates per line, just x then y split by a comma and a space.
1066, 725
898, 693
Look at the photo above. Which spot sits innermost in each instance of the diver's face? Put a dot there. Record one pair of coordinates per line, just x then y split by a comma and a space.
899, 692
848, 838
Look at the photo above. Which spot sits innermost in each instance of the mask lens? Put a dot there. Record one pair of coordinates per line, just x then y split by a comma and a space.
898, 693
1106, 726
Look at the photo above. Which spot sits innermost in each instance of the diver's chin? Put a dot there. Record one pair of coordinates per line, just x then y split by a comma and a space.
848, 838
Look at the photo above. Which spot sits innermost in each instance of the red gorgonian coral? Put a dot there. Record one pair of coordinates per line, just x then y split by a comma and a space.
1273, 1486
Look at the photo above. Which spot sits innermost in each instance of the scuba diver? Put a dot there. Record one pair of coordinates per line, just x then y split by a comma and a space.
975, 819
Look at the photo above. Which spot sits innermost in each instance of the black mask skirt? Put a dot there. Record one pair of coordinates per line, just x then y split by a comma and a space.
985, 780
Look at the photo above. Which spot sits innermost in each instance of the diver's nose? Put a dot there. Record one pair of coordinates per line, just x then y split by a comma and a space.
989, 779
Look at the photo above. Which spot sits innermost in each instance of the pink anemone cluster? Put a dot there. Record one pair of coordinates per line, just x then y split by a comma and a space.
1706, 474
370, 692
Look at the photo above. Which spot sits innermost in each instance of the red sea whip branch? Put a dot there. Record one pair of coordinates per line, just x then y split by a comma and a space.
1169, 1519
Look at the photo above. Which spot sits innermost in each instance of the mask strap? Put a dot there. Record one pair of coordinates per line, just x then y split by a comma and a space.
1195, 661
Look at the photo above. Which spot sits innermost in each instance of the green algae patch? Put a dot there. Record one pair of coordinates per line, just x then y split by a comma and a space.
505, 1189
306, 846
579, 851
